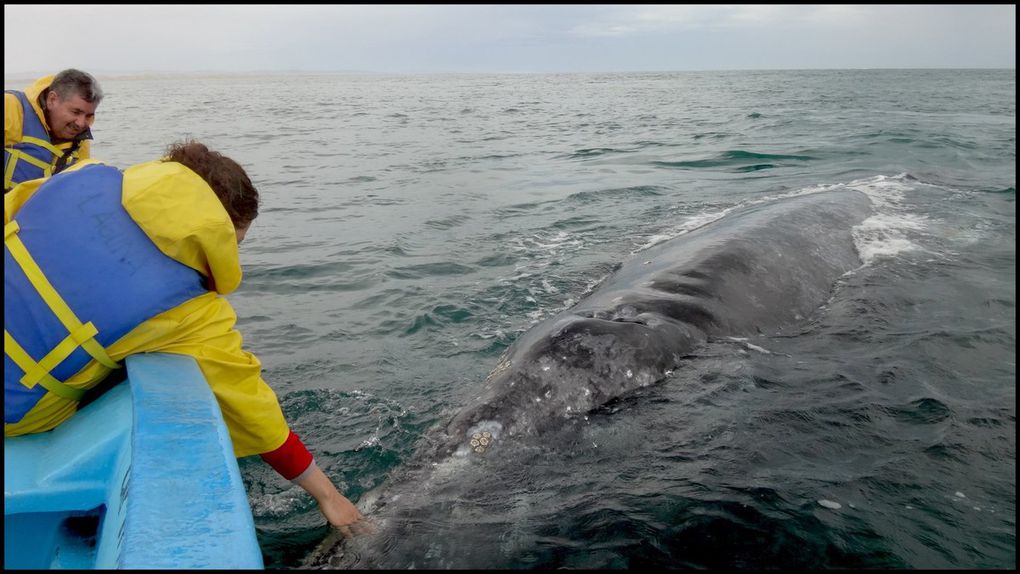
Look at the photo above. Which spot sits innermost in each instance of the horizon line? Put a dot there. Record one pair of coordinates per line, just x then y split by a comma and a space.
113, 73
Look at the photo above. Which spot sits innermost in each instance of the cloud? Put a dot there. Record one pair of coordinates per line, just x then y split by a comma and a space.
639, 20
503, 37
621, 21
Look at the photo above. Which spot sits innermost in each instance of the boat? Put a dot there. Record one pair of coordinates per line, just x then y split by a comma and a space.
144, 477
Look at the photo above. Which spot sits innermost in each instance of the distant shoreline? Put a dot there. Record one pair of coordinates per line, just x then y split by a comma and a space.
9, 76
151, 74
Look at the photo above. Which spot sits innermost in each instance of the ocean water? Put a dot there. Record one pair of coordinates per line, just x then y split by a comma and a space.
413, 227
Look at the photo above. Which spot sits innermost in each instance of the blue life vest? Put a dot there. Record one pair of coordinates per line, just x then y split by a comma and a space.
35, 155
104, 271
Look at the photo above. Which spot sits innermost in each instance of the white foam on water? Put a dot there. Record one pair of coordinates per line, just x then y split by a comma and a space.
277, 504
546, 243
888, 232
370, 442
750, 346
686, 226
830, 504
542, 250
881, 237
537, 315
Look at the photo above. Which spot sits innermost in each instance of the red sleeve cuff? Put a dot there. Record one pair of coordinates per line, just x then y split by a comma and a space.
291, 459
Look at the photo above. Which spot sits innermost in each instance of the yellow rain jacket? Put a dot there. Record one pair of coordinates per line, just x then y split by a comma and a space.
185, 220
14, 130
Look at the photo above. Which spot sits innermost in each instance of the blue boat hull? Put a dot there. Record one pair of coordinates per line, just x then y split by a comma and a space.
144, 477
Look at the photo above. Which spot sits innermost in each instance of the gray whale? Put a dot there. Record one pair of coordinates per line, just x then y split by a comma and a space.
754, 272
761, 270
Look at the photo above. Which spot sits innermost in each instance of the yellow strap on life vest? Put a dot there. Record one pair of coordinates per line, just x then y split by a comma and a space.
9, 172
20, 155
16, 155
55, 302
12, 163
58, 354
56, 151
17, 354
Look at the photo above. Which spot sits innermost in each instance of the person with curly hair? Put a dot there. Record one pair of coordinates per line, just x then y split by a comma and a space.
140, 262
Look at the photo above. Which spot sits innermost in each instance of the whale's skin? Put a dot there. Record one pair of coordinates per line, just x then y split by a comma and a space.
760, 270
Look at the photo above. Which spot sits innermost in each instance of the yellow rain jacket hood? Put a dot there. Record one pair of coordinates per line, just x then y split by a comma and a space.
189, 225
14, 116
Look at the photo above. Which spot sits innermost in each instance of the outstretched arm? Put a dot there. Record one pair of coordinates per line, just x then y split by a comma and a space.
293, 461
339, 511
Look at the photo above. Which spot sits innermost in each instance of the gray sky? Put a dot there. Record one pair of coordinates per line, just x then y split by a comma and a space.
504, 37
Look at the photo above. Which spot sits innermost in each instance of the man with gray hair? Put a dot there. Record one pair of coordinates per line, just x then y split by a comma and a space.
46, 127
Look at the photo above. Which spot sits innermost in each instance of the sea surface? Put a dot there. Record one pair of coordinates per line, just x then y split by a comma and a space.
412, 227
